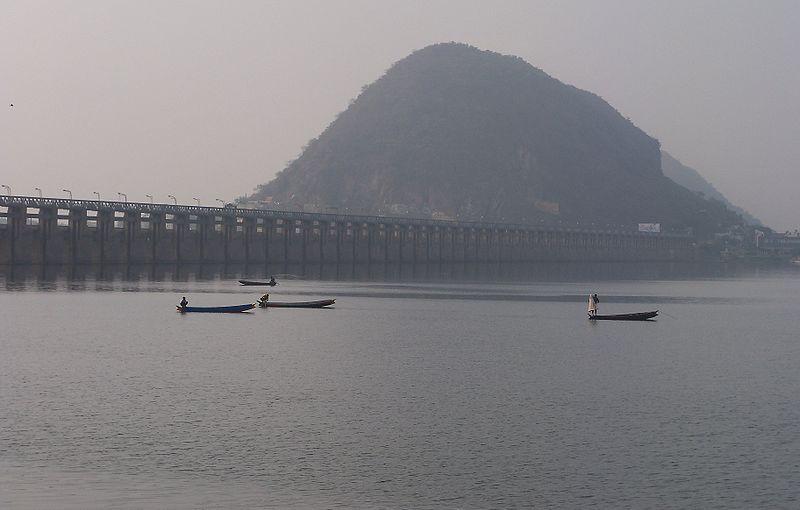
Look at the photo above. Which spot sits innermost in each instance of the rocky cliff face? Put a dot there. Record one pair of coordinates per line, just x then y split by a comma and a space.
454, 131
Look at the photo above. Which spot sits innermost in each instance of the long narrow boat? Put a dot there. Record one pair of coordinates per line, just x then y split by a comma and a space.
253, 282
639, 316
216, 309
322, 303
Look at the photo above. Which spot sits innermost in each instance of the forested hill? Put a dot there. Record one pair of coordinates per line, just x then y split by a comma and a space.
456, 132
691, 179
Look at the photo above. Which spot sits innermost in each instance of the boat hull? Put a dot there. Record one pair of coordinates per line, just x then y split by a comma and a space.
640, 316
255, 283
322, 303
216, 309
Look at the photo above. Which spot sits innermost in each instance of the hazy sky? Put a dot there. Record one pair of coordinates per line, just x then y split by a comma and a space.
208, 99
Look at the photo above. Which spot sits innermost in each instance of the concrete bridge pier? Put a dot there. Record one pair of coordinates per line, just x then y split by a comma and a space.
267, 240
421, 245
338, 244
439, 239
387, 233
352, 237
327, 248
398, 235
501, 239
311, 244
447, 245
404, 255
363, 246
302, 236
227, 237
248, 230
315, 247
466, 235
14, 216
285, 230
490, 246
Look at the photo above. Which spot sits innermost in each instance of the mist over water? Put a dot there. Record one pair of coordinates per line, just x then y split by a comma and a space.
414, 393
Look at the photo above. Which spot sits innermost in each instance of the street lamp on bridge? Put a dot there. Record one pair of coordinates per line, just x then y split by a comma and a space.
123, 196
97, 194
7, 187
150, 197
220, 201
39, 190
196, 200
174, 200
68, 191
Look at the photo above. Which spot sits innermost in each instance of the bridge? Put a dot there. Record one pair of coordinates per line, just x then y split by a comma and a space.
37, 230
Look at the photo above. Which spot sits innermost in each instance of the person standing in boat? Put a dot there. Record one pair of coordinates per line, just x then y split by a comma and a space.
184, 302
272, 281
262, 302
593, 300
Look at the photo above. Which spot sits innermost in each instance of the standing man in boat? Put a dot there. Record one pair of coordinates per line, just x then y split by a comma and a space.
262, 302
183, 304
593, 300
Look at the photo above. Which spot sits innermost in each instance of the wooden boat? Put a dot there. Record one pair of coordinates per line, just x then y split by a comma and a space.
639, 316
322, 303
253, 282
216, 309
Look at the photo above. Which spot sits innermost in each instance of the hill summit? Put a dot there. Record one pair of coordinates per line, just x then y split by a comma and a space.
453, 131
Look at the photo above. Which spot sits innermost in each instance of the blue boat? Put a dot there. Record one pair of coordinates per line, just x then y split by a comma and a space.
216, 309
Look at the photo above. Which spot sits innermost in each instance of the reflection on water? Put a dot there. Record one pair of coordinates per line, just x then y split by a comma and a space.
44, 276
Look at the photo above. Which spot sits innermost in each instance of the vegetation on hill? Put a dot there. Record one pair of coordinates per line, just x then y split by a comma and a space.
452, 131
691, 179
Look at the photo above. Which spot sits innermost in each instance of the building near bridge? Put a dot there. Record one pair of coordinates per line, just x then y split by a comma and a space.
786, 243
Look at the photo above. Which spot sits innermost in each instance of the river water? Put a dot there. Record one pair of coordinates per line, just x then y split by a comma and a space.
440, 393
